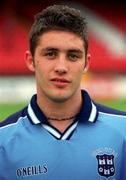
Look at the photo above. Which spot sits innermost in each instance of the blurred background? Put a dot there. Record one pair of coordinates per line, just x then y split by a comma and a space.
106, 79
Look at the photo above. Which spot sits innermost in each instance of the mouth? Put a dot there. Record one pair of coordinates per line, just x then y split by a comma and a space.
60, 82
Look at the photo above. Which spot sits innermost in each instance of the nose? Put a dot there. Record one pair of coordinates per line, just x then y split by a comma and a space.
61, 65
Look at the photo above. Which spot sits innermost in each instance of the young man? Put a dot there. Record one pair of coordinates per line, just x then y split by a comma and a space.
62, 134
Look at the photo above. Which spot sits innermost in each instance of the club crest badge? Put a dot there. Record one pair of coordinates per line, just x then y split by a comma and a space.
106, 165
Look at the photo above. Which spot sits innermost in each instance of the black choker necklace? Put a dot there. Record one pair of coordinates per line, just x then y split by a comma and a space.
61, 119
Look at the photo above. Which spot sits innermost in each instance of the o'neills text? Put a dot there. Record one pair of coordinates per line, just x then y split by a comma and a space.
31, 170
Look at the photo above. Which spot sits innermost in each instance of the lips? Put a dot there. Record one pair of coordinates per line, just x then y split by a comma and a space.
60, 82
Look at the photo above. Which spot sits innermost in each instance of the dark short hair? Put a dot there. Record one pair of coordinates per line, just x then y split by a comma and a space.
59, 17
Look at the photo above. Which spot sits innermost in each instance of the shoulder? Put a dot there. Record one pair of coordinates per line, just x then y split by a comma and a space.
107, 110
112, 119
14, 117
110, 114
12, 127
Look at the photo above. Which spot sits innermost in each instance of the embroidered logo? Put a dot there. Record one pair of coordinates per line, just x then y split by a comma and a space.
106, 165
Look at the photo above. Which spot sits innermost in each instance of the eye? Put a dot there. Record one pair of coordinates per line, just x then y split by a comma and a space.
50, 54
73, 56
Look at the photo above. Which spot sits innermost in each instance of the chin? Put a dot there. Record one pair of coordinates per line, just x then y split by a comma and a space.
60, 97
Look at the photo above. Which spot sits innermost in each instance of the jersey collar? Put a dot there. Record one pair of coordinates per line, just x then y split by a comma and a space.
88, 111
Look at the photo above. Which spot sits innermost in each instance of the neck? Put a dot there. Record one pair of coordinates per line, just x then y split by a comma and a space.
59, 110
61, 125
62, 119
60, 114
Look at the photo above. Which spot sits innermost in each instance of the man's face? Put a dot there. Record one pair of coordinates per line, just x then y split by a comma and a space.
59, 62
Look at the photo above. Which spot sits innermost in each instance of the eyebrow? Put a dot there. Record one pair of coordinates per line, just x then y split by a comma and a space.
72, 50
76, 51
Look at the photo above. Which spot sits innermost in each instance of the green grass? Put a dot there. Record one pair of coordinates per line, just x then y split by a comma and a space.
7, 109
119, 104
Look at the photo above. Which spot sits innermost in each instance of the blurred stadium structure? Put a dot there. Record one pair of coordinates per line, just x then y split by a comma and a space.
107, 45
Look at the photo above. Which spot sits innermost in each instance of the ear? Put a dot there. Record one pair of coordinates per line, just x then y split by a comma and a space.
86, 67
29, 61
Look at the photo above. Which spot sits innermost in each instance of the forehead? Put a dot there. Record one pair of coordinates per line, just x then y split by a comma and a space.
60, 39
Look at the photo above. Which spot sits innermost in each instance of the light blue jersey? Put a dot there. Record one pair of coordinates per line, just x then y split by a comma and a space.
93, 147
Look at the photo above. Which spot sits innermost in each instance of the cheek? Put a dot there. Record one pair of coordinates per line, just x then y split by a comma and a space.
40, 73
79, 69
78, 73
40, 67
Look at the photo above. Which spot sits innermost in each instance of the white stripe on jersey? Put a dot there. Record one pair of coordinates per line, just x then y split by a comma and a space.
69, 131
52, 130
59, 135
93, 113
13, 123
109, 114
32, 115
